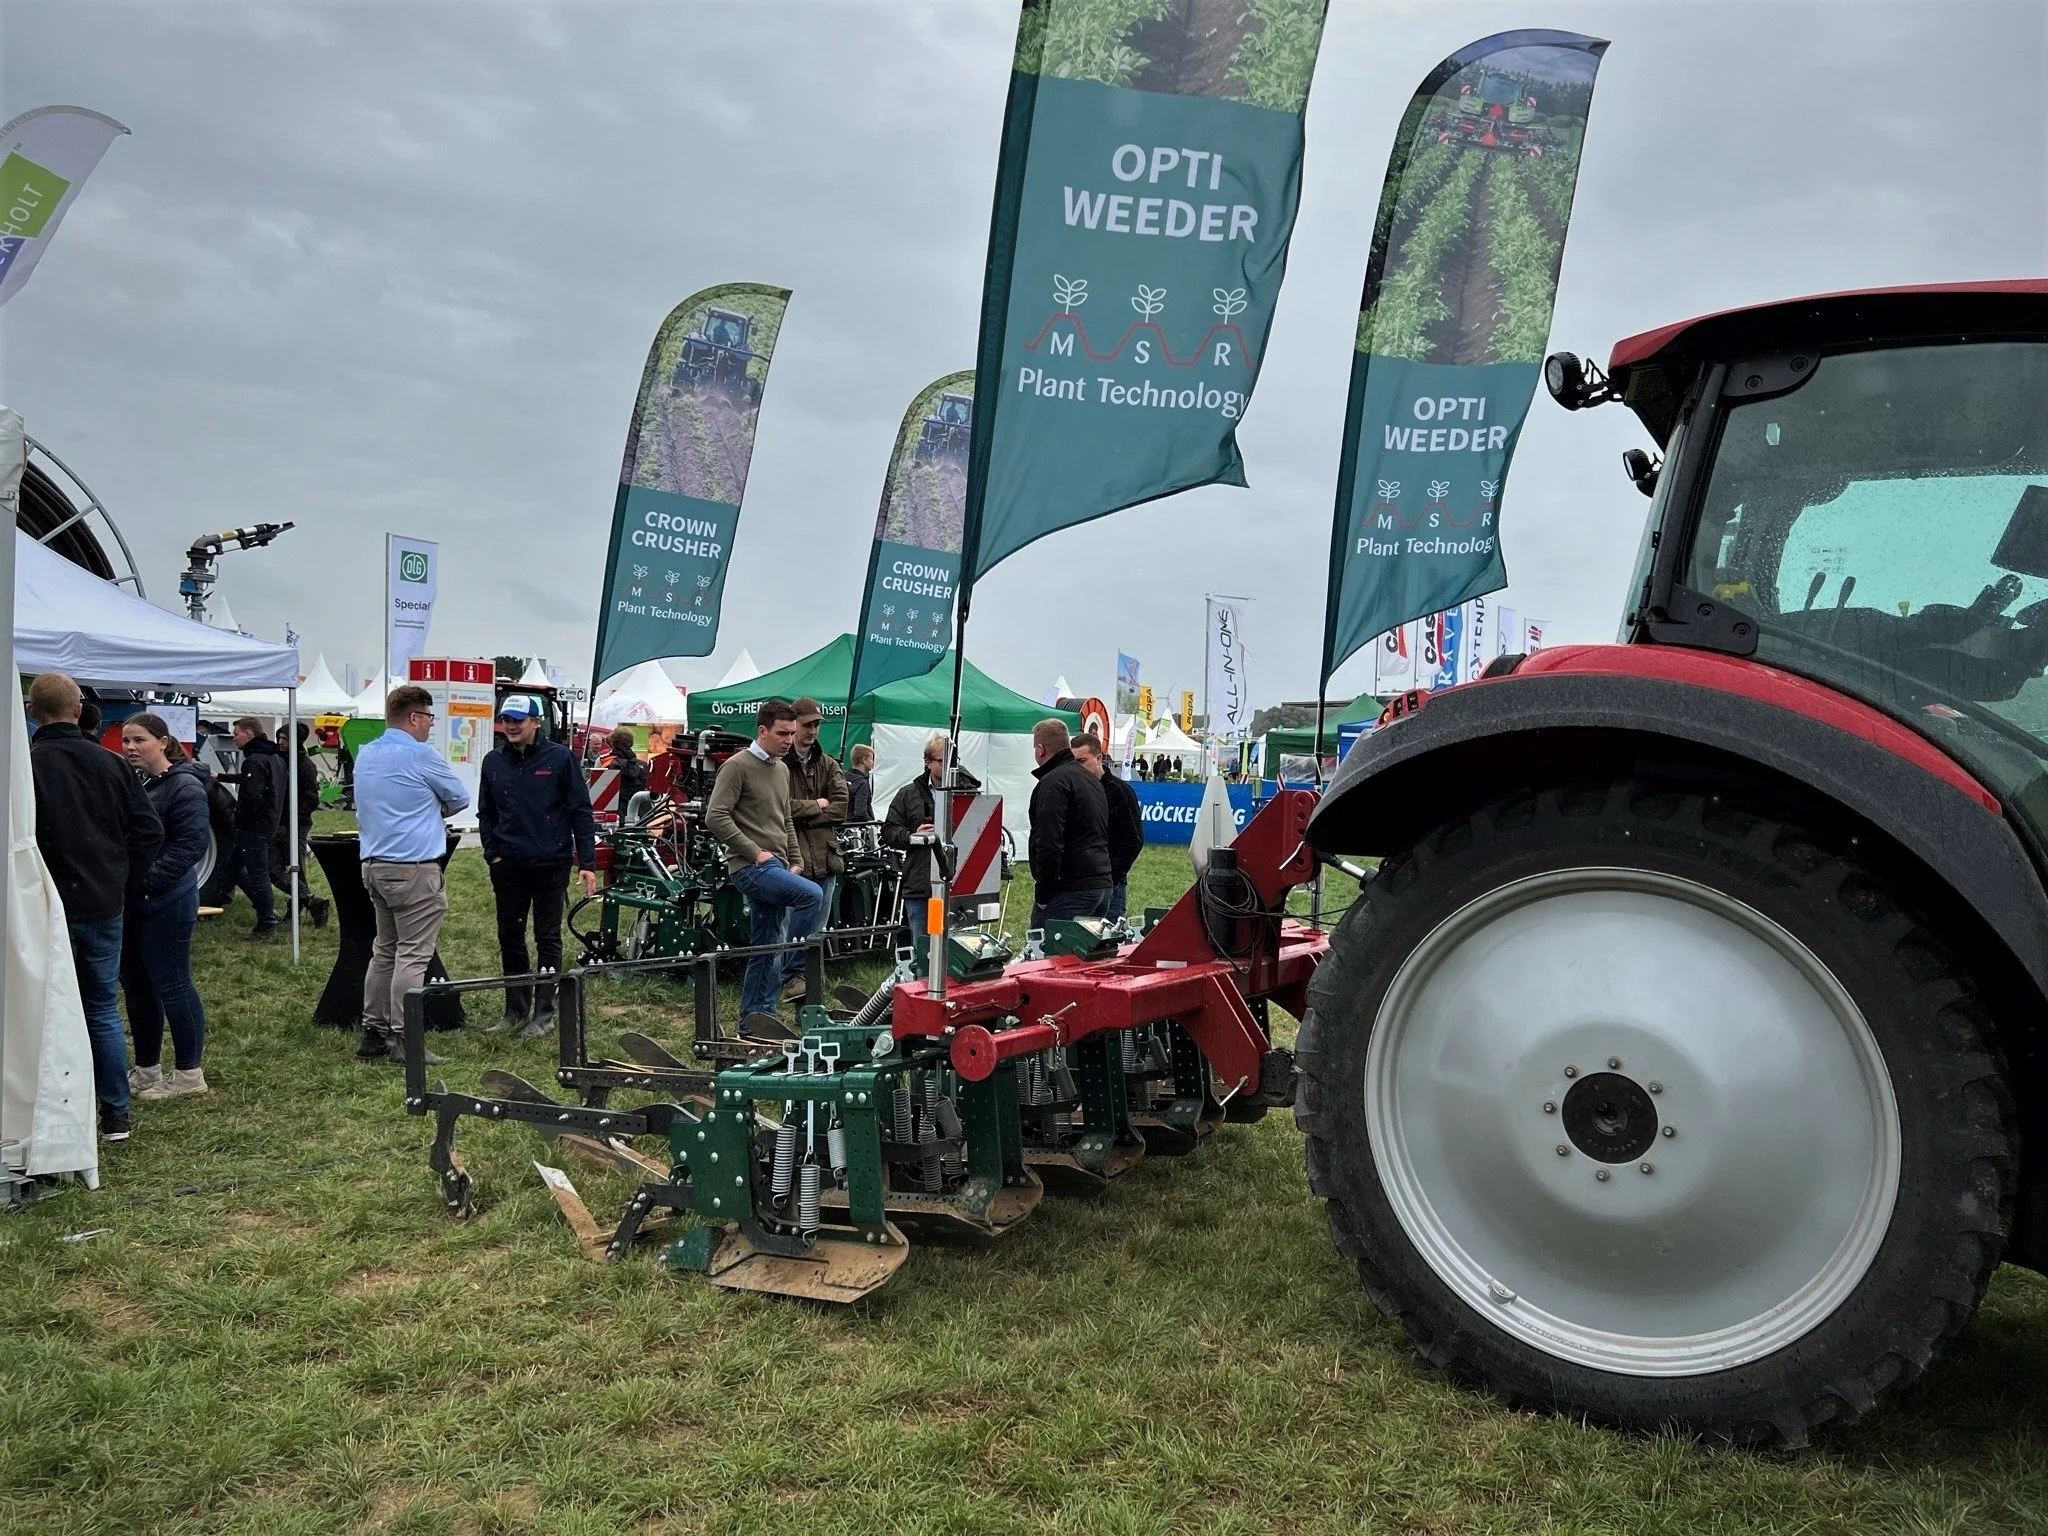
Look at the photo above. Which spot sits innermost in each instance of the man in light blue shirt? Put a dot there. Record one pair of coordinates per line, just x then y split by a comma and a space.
405, 790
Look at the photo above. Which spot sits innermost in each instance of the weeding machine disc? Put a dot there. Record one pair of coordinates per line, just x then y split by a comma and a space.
829, 1270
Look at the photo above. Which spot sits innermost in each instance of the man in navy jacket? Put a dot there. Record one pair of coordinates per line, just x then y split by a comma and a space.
533, 814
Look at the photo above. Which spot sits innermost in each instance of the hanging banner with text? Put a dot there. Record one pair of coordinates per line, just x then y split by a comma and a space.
412, 575
1145, 193
1459, 288
687, 454
906, 613
45, 156
1225, 686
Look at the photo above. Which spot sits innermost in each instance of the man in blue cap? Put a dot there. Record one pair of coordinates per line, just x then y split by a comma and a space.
533, 816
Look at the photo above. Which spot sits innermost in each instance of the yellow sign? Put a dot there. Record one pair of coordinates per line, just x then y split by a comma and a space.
1187, 710
1145, 702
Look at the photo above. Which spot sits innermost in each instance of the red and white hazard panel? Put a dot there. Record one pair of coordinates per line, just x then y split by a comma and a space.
978, 835
604, 792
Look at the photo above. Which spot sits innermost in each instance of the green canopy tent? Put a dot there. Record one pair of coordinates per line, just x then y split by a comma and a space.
1300, 741
896, 720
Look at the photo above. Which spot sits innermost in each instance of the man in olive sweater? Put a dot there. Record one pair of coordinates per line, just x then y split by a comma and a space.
749, 814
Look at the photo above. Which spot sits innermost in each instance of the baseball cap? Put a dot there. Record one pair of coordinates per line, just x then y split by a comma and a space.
808, 709
518, 707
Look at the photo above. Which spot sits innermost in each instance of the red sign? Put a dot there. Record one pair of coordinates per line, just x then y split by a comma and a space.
444, 669
1095, 717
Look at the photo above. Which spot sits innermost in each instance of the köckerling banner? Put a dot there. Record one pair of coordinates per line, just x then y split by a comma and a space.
1459, 288
906, 616
687, 454
45, 156
1145, 193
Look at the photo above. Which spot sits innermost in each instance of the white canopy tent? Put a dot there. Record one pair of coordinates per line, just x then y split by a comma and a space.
370, 701
535, 675
642, 695
1168, 737
322, 694
319, 694
742, 670
68, 620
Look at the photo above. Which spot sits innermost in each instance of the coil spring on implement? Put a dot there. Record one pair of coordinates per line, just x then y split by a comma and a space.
807, 1199
784, 1167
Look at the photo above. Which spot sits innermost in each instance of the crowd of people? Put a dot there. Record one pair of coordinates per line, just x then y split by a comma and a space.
125, 842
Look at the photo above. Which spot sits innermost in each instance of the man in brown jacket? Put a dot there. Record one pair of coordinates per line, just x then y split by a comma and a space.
749, 814
817, 805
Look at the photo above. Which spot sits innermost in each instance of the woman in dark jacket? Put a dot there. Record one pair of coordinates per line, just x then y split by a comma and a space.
156, 933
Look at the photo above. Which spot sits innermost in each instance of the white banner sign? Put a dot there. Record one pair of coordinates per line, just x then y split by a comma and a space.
1394, 659
1476, 644
1535, 635
1509, 641
45, 156
1226, 686
412, 570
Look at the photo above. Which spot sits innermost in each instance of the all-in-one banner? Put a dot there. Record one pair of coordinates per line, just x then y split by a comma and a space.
1146, 190
906, 616
1459, 288
1226, 687
412, 575
45, 156
685, 470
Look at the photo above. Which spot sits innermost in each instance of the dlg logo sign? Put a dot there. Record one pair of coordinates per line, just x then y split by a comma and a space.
412, 566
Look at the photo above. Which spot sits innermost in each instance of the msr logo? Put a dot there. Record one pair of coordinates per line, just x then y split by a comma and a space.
412, 566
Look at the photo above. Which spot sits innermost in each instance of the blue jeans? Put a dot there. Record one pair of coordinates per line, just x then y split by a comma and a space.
781, 901
156, 979
1119, 901
828, 893
1071, 904
96, 956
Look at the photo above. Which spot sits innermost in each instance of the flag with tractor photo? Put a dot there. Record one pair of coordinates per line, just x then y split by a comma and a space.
688, 450
906, 611
1145, 193
1459, 287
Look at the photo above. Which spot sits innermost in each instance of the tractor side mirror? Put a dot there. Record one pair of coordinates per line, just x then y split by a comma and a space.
1641, 470
1575, 383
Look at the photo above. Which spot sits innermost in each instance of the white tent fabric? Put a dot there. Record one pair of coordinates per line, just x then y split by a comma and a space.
222, 617
68, 620
1061, 689
1169, 737
743, 669
47, 1102
1003, 763
535, 676
321, 694
371, 700
644, 696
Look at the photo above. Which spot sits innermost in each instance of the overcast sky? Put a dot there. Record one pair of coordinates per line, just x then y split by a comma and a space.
396, 267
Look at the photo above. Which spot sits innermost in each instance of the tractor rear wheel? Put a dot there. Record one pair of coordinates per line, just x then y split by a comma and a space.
1653, 1108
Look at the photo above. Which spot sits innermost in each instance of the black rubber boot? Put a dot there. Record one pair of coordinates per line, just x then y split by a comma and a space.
394, 1050
371, 1046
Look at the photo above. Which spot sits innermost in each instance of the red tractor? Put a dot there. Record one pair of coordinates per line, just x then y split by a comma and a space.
1685, 1063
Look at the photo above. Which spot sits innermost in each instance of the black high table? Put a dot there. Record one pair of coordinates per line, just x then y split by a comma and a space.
341, 1004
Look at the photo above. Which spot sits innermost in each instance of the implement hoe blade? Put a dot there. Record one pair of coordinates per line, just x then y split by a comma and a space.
834, 1269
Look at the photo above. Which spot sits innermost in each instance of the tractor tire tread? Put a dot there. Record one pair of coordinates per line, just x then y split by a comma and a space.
1714, 827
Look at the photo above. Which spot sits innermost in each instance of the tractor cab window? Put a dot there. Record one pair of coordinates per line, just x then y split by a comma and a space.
1886, 525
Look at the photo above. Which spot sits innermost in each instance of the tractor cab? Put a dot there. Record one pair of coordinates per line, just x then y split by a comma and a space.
719, 356
1856, 491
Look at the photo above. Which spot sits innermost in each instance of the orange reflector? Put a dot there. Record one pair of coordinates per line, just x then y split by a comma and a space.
935, 917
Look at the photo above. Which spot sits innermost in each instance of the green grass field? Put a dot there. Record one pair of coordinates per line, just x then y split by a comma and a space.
278, 1331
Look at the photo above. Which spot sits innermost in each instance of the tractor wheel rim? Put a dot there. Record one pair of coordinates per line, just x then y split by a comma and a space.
1716, 1196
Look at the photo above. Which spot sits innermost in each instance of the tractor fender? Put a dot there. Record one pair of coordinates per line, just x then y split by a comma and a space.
1592, 707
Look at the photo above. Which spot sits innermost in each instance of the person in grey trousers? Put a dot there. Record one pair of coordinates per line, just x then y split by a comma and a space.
405, 791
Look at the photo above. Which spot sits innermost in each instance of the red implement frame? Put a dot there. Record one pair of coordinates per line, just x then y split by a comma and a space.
1173, 973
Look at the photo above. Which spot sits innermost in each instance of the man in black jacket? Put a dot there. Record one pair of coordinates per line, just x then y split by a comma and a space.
913, 810
260, 792
97, 833
1126, 820
1069, 831
281, 841
533, 816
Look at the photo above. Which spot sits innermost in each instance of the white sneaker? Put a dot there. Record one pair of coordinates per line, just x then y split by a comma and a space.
176, 1084
140, 1078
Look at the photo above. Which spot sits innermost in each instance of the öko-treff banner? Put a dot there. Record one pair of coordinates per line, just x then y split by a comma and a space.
1145, 193
1226, 686
688, 450
1459, 288
906, 611
412, 575
45, 156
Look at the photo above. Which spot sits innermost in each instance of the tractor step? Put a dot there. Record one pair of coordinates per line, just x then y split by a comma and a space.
835, 1268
